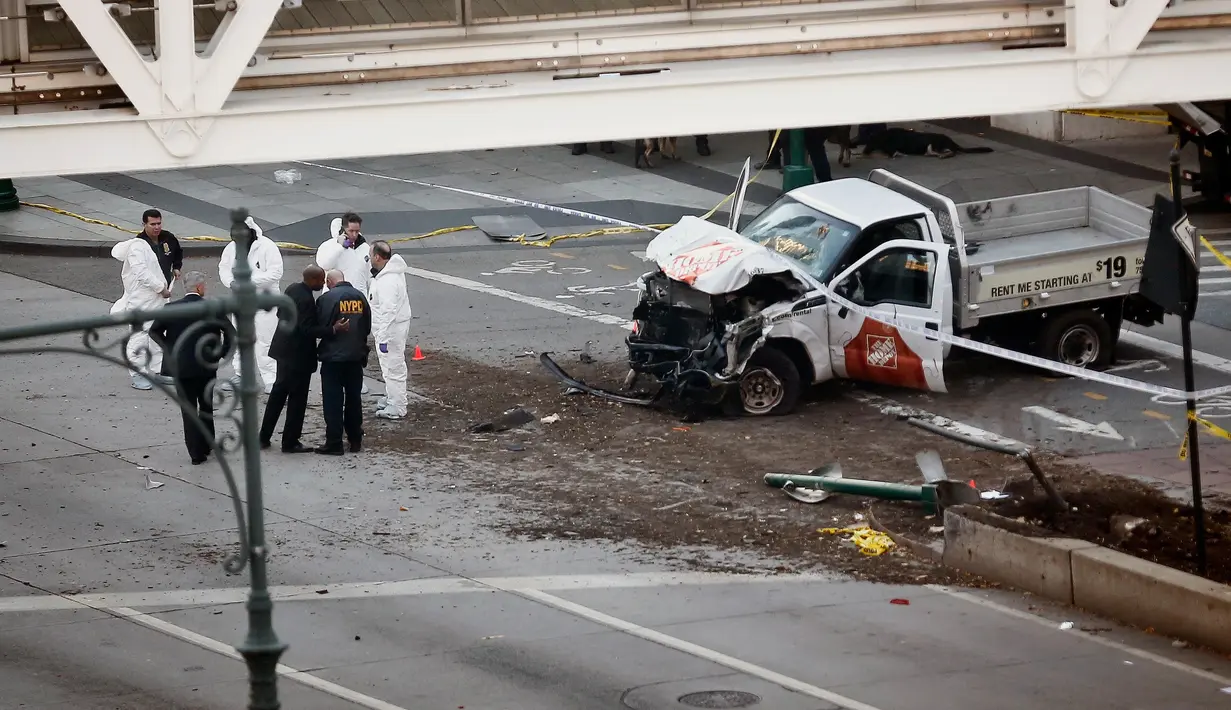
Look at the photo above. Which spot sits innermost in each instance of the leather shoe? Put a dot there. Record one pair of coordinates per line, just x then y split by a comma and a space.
355, 446
266, 444
296, 449
330, 450
198, 462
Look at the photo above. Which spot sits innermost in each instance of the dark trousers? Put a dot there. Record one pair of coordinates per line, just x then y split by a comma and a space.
814, 143
192, 391
341, 383
290, 390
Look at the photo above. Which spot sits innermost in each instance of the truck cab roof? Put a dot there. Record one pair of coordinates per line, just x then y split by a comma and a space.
857, 201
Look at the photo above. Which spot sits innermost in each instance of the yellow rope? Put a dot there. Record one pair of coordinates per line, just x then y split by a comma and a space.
520, 239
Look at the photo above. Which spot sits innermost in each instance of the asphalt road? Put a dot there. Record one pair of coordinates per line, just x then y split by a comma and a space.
495, 303
394, 594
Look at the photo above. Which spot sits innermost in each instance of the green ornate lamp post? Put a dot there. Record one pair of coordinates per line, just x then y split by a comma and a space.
8, 196
261, 648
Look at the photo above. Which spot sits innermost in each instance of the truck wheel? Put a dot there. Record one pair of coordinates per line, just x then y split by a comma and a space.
770, 385
1081, 338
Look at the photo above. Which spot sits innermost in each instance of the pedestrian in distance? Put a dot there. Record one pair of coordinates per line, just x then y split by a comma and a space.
295, 351
146, 287
390, 325
347, 251
343, 356
266, 261
192, 373
167, 246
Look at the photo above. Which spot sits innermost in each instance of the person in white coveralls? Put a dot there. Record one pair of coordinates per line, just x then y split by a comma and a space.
390, 325
266, 261
145, 288
347, 251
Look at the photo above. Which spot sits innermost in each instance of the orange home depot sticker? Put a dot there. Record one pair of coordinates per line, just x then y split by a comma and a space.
878, 354
688, 266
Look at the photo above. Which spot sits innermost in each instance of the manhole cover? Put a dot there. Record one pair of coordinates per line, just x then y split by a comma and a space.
720, 699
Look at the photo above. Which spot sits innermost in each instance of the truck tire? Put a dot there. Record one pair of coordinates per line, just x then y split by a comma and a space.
1081, 338
770, 385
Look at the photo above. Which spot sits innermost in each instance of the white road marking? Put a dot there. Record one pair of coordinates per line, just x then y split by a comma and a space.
359, 590
1162, 347
1072, 424
561, 308
1215, 293
209, 644
892, 408
1109, 643
1146, 365
695, 650
1206, 282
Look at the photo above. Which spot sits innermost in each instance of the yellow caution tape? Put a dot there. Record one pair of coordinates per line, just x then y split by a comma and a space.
1226, 260
1156, 118
520, 239
772, 144
1210, 427
869, 542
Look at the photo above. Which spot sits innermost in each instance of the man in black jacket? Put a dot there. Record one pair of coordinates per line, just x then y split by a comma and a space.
295, 353
192, 376
343, 356
166, 246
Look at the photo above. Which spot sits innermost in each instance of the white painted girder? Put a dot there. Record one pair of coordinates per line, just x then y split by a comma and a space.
695, 97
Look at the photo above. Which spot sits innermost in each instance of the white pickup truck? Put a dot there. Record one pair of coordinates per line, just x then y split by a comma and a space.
741, 317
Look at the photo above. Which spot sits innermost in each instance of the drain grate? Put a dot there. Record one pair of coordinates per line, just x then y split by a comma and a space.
720, 699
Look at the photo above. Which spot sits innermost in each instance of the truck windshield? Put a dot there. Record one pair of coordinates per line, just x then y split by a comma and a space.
813, 239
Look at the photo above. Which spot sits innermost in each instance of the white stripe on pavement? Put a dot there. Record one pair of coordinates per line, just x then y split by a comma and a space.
1206, 282
1089, 635
1162, 347
561, 308
692, 649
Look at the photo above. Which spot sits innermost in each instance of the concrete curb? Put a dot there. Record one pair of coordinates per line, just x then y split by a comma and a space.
1094, 578
32, 246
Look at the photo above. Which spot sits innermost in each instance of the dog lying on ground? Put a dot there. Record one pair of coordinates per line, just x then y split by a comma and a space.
903, 141
645, 147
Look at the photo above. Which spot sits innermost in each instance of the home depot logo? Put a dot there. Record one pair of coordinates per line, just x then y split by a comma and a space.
688, 266
882, 352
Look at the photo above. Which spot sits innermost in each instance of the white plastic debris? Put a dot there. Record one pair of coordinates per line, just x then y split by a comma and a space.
1066, 626
550, 419
151, 484
993, 495
288, 177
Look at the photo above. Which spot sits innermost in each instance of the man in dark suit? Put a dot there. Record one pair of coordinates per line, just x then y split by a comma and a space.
295, 353
192, 376
343, 356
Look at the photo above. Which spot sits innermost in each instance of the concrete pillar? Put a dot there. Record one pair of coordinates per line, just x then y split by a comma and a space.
13, 47
1061, 126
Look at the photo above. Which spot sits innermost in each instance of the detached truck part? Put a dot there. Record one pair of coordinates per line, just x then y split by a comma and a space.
1206, 126
743, 317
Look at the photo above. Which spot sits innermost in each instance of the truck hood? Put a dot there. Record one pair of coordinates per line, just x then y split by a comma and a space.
715, 260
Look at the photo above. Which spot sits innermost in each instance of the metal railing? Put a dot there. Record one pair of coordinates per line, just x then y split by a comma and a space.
214, 339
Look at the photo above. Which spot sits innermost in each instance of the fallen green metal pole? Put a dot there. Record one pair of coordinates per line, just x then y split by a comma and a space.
925, 494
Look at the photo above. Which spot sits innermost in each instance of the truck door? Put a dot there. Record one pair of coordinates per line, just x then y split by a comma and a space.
906, 280
737, 200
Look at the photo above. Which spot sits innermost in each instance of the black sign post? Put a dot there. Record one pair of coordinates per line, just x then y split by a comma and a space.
1169, 280
1186, 236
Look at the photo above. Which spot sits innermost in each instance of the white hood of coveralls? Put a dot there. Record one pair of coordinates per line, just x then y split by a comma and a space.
715, 260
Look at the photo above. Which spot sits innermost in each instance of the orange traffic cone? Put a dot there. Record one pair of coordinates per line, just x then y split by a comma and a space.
418, 354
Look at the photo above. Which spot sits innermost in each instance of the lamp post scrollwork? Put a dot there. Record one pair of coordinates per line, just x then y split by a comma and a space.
214, 338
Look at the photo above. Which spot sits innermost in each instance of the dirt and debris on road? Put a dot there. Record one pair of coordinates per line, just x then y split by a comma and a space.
600, 470
580, 467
